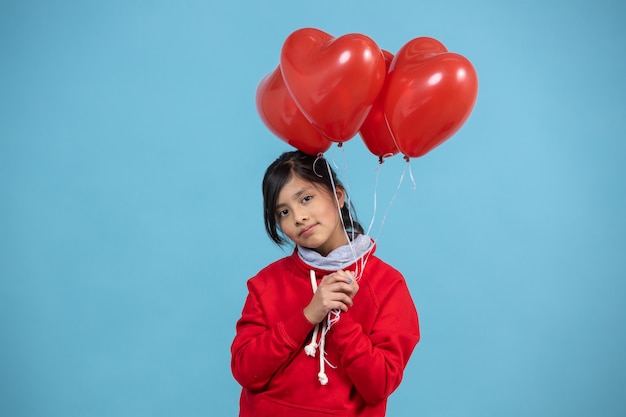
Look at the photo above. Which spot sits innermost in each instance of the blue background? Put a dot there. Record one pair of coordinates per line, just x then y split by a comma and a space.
131, 156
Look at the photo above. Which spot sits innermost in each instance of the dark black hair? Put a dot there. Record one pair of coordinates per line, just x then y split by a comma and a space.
307, 167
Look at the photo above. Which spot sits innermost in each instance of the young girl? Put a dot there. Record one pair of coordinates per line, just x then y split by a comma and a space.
328, 330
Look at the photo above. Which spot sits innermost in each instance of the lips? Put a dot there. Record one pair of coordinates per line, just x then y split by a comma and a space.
307, 231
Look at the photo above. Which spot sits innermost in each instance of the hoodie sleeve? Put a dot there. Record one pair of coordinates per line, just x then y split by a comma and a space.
258, 349
375, 362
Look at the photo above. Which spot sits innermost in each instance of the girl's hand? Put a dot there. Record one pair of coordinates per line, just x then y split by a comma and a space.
334, 292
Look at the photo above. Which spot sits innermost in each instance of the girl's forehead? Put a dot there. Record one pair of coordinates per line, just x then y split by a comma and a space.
295, 179
294, 184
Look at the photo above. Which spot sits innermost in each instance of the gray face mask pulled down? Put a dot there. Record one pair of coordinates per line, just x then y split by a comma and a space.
340, 258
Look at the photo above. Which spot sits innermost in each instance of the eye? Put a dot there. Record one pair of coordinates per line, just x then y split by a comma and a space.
283, 213
307, 198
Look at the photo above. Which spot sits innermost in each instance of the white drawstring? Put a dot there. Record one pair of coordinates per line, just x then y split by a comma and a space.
322, 374
311, 347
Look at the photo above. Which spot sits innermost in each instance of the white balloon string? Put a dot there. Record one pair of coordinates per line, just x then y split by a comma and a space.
393, 199
364, 259
347, 200
347, 193
319, 156
369, 228
408, 163
393, 137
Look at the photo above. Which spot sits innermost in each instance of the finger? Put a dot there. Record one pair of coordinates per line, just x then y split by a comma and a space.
348, 276
344, 299
330, 305
340, 288
330, 299
340, 276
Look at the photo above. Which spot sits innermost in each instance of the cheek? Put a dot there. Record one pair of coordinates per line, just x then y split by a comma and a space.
331, 209
283, 226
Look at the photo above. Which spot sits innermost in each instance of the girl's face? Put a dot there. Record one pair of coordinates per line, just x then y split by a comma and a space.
308, 215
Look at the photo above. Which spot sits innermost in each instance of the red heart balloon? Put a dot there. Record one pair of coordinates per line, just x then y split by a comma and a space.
334, 81
281, 115
375, 129
429, 94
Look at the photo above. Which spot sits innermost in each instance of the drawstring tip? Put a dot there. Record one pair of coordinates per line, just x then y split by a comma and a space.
323, 378
310, 349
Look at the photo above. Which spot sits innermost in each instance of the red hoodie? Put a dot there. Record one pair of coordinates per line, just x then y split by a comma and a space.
369, 346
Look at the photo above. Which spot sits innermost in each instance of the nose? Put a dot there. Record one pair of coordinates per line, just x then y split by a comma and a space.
300, 216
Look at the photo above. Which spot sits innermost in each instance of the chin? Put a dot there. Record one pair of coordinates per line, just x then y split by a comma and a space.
316, 248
